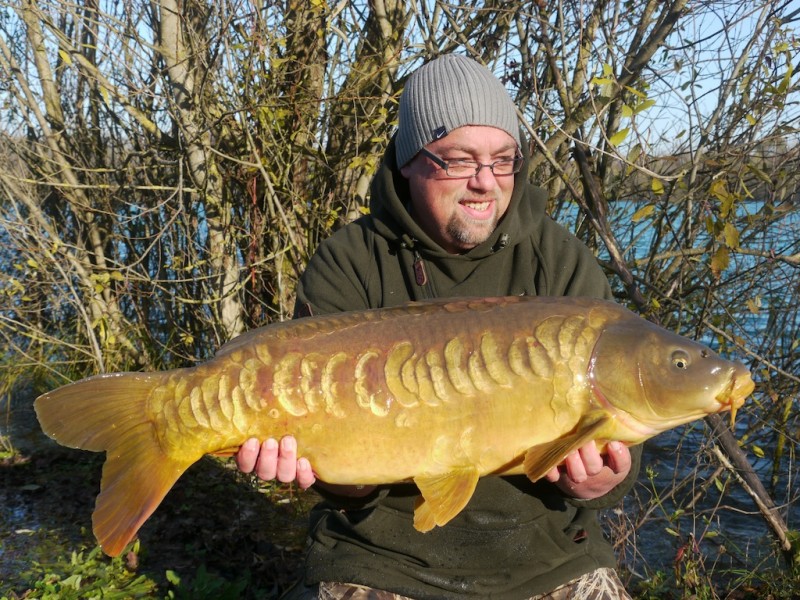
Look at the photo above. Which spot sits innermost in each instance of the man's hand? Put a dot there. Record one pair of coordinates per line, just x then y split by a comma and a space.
273, 460
587, 474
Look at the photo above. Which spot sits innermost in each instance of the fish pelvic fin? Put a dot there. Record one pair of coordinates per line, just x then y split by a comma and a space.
443, 496
108, 413
540, 459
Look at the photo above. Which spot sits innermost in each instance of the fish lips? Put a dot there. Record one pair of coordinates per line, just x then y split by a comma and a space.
740, 387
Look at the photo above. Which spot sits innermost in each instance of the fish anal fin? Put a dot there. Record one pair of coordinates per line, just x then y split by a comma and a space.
443, 496
423, 517
543, 457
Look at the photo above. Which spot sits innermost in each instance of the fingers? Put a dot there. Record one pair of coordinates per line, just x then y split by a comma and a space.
587, 462
305, 475
270, 465
272, 460
247, 456
553, 475
584, 463
619, 457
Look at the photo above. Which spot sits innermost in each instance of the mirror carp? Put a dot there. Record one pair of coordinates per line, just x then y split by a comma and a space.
440, 393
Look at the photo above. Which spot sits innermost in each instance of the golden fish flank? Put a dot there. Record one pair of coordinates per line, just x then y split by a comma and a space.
484, 386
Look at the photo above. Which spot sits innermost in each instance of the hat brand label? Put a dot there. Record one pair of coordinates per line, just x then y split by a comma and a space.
439, 132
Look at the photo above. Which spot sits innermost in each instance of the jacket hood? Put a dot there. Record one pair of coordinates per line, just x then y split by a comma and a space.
390, 199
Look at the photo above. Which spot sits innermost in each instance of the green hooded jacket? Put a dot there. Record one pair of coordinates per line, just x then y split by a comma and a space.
515, 538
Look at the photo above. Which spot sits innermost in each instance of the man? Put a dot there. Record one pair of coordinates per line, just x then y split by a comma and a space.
452, 214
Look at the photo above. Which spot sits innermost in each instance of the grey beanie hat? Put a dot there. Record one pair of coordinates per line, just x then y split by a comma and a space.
447, 93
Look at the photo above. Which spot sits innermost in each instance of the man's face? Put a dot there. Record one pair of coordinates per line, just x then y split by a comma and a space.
459, 214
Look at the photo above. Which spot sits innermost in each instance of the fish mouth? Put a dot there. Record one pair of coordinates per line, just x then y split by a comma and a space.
741, 385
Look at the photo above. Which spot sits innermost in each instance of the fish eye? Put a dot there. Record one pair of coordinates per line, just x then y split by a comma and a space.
680, 359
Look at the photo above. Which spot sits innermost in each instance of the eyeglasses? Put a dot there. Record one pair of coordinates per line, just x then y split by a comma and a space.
471, 168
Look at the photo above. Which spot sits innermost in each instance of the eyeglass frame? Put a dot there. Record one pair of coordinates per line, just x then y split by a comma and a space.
444, 165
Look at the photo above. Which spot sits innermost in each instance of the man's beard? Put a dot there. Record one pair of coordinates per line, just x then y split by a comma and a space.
470, 233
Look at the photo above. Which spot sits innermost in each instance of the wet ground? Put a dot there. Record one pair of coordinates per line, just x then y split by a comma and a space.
215, 523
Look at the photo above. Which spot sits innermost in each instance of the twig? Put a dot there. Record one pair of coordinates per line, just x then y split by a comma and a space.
747, 478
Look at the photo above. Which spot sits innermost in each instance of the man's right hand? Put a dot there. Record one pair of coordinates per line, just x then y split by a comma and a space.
273, 460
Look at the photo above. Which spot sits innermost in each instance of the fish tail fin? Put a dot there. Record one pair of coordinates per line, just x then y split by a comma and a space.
108, 413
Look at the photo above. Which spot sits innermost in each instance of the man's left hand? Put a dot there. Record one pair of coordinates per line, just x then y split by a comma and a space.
587, 474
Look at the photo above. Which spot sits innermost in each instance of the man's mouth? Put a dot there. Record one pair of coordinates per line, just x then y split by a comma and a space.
477, 207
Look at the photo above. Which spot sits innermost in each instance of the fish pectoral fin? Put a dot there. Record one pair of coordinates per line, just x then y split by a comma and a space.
226, 452
443, 496
540, 459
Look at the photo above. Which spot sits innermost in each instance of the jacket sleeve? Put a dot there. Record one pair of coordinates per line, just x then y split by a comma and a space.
568, 267
337, 276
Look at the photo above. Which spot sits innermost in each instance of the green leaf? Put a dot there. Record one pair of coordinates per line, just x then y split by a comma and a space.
643, 106
619, 137
173, 577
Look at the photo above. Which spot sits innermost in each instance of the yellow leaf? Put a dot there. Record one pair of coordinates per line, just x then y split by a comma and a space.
757, 451
750, 119
643, 212
619, 137
32, 263
719, 190
636, 92
601, 81
657, 186
65, 57
731, 235
720, 261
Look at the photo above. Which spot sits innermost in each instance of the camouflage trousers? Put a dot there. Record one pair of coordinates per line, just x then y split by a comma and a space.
600, 584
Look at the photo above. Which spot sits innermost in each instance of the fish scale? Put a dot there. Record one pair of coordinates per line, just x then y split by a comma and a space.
439, 393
